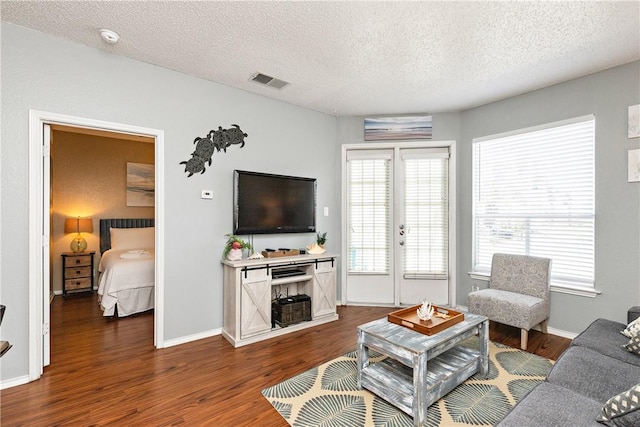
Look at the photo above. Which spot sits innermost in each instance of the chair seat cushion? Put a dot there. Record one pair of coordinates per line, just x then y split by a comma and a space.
511, 308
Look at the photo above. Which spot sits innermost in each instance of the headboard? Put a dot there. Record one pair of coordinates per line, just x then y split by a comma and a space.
107, 224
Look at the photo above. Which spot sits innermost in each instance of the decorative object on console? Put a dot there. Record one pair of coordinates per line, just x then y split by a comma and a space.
322, 239
273, 253
78, 225
215, 140
234, 246
315, 249
425, 311
418, 127
256, 255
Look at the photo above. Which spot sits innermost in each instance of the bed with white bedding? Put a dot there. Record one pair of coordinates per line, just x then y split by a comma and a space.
127, 266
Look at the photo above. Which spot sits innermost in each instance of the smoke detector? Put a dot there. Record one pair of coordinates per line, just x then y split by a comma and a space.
263, 79
109, 36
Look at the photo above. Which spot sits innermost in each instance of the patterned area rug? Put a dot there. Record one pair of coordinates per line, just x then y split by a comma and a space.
328, 395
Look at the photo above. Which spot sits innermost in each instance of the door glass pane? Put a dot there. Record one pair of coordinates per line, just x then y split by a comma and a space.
426, 225
368, 215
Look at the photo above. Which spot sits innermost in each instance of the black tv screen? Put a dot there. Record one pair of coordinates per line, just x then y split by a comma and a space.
266, 203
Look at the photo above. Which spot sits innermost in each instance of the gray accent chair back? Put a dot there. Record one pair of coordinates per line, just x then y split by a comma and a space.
518, 293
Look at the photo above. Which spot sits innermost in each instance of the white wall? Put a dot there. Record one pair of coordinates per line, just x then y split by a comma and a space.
45, 73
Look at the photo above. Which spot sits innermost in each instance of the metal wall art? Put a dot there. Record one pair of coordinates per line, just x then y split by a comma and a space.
216, 140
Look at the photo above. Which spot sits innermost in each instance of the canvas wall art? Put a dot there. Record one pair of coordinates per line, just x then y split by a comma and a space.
633, 167
634, 121
392, 128
140, 184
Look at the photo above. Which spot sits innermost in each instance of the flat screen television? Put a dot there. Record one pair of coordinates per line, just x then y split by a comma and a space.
267, 204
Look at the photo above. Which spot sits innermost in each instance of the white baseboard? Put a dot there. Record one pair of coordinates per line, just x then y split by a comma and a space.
14, 382
190, 338
560, 333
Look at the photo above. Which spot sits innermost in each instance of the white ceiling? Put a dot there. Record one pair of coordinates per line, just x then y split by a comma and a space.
358, 57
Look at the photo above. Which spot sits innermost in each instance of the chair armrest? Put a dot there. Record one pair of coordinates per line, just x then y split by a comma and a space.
633, 313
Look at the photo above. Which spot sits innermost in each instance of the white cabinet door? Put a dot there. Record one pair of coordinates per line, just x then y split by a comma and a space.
255, 311
323, 299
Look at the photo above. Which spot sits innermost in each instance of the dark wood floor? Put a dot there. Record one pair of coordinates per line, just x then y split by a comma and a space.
108, 373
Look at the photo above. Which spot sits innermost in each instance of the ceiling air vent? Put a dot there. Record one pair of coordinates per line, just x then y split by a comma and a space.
269, 81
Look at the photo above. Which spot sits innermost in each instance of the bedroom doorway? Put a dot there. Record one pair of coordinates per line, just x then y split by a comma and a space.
39, 216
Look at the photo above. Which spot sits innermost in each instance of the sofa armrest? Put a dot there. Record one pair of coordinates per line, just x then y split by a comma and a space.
633, 314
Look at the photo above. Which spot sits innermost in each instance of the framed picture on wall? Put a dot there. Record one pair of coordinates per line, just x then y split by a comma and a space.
392, 128
634, 165
634, 121
140, 184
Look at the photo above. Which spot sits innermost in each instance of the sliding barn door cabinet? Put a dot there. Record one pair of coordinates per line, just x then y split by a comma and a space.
269, 297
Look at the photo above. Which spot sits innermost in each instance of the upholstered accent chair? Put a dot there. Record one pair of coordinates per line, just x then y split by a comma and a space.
518, 293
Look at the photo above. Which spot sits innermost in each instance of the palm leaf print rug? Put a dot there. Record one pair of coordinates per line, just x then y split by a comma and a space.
328, 394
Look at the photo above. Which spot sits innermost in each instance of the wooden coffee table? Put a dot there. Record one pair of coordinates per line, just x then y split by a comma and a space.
420, 369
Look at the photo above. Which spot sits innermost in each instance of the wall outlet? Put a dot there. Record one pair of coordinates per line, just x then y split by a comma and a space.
206, 194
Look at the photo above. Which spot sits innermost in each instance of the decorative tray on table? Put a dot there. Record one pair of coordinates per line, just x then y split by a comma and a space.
442, 319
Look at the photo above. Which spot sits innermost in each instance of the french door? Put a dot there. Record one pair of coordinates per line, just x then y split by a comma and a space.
397, 224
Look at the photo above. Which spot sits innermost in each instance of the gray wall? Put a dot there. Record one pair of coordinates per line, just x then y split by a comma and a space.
617, 242
45, 73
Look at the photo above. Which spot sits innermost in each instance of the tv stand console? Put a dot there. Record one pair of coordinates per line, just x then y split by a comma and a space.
250, 285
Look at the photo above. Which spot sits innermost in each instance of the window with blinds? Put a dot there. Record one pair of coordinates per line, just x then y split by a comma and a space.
368, 204
426, 219
533, 194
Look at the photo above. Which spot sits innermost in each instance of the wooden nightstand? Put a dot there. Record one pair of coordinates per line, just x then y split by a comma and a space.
77, 271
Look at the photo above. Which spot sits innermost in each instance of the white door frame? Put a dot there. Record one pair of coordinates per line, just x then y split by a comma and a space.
452, 205
37, 299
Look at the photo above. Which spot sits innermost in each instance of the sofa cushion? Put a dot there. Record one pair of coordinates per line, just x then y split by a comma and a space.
604, 337
553, 406
622, 409
592, 374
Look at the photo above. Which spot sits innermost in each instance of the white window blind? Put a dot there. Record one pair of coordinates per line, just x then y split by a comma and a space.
368, 204
426, 221
533, 194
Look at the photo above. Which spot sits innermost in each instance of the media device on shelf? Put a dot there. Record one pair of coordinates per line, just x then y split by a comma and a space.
268, 204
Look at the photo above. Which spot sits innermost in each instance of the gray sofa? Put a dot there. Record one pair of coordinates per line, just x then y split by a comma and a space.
590, 372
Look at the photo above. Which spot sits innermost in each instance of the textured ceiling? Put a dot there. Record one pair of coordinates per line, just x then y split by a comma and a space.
360, 57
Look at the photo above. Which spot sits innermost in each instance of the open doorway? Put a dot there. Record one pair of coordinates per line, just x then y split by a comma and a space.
40, 124
89, 178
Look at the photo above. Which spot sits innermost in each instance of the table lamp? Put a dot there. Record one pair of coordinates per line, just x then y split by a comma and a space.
77, 225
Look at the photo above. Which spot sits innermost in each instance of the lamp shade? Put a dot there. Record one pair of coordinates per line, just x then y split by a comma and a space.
78, 225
